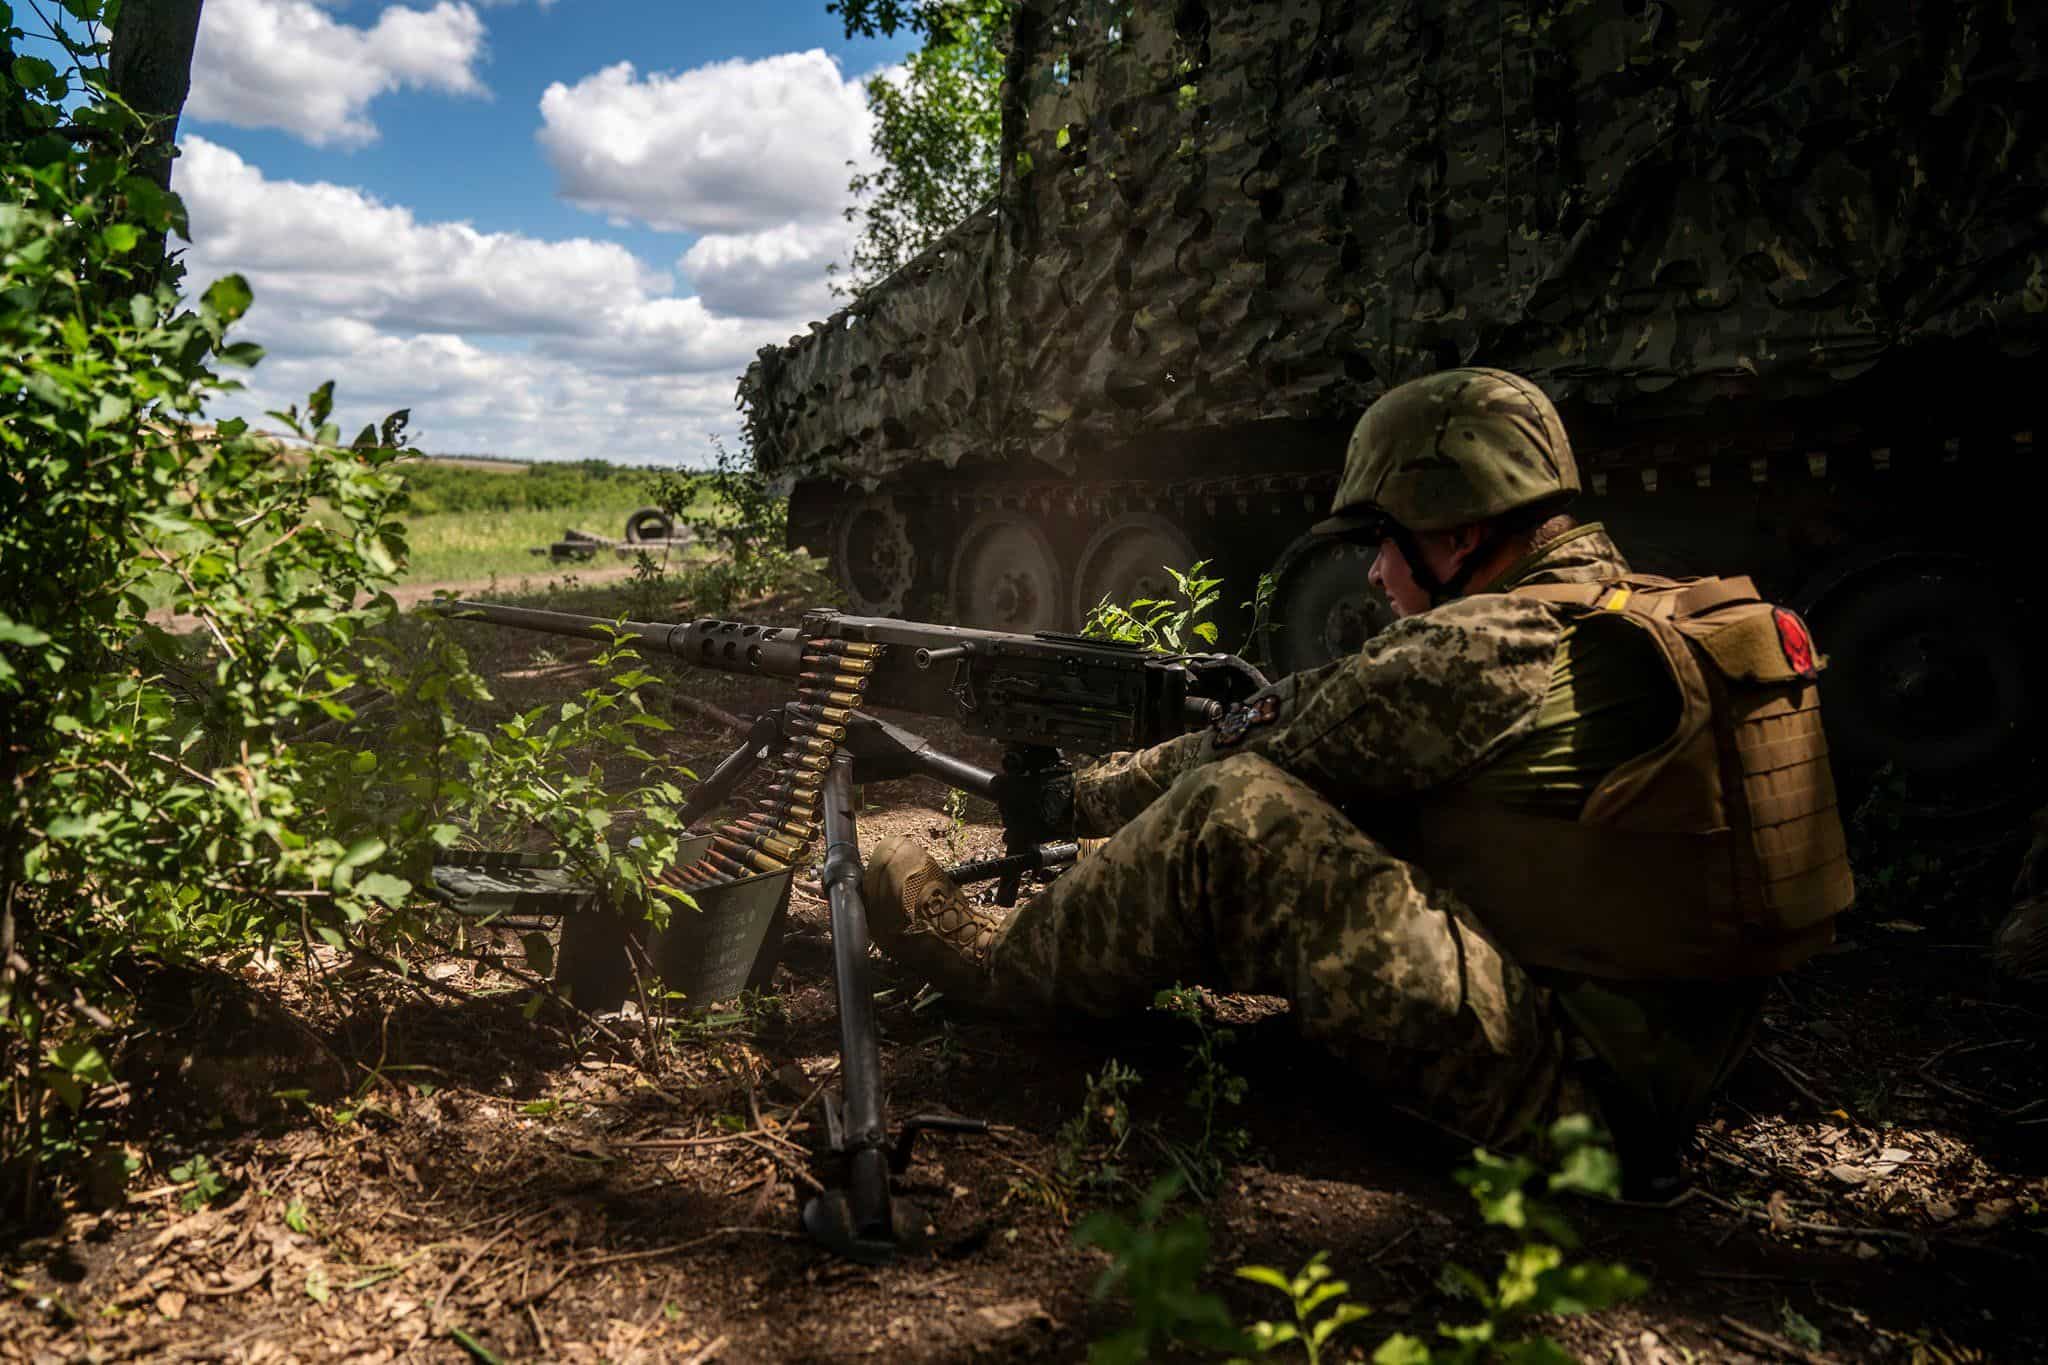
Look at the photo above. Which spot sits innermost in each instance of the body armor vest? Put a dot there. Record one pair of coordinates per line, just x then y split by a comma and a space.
1719, 853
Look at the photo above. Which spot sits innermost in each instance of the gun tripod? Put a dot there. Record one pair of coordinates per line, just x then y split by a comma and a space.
858, 1215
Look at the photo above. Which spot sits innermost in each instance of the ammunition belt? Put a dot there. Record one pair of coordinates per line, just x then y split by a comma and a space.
782, 819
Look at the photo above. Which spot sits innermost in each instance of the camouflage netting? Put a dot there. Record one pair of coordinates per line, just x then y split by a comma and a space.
1212, 216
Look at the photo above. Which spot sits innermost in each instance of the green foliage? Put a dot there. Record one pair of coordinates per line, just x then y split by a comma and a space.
735, 509
1089, 1151
1309, 1291
433, 486
285, 767
207, 1184
936, 132
1798, 1329
1536, 1277
1211, 1084
1261, 609
1173, 625
1157, 1266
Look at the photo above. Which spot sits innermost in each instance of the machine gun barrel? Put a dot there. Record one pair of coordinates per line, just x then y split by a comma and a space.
733, 646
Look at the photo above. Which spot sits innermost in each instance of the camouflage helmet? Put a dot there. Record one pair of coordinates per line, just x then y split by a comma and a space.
1451, 449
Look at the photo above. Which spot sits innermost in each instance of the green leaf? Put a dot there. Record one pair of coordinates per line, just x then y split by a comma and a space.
316, 1285
320, 404
1588, 1288
295, 1217
1798, 1328
540, 954
121, 238
228, 297
84, 1061
363, 851
1573, 1131
111, 408
382, 886
14, 633
1322, 1294
65, 1088
33, 73
1401, 1349
1589, 1170
1266, 1275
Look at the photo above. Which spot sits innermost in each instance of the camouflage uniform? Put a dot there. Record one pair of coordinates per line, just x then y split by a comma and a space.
1249, 866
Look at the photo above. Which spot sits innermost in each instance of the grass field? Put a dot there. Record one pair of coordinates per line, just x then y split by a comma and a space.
462, 546
474, 522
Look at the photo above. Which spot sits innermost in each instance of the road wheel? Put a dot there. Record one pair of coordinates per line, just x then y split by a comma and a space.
1127, 560
1934, 671
872, 556
1323, 608
1006, 576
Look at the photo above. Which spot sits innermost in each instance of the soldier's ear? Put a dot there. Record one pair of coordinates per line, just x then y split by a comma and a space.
1464, 541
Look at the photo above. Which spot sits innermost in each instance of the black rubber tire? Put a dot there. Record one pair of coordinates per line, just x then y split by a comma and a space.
649, 523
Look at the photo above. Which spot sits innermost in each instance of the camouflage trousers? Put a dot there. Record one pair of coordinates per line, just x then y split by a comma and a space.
1244, 879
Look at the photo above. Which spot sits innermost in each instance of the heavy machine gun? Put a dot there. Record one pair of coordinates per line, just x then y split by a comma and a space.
1039, 695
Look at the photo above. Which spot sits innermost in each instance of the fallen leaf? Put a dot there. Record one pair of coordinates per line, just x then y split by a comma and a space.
1012, 1314
1902, 926
1850, 1175
1779, 1206
171, 1304
1992, 1212
1940, 1210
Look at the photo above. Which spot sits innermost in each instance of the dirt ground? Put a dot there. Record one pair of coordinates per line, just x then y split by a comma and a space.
413, 1169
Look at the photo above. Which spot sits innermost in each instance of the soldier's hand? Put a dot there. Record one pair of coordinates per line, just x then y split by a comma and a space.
1224, 677
1036, 806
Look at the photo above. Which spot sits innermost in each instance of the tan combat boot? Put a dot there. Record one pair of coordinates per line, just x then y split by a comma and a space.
926, 923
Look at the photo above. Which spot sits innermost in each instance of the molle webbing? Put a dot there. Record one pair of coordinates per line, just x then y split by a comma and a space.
1718, 853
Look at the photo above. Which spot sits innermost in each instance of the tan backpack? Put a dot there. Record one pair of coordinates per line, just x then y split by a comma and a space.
1718, 854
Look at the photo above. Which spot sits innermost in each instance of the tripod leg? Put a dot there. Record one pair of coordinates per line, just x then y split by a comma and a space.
856, 1221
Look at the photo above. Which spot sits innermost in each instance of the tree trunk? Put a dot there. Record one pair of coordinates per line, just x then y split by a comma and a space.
150, 67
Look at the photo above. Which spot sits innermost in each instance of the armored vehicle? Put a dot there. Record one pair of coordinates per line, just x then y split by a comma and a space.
1784, 269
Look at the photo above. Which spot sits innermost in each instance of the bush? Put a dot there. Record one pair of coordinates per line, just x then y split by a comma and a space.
1157, 1266
570, 486
172, 795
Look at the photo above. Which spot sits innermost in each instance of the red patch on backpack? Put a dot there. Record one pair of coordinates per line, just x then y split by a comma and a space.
1797, 642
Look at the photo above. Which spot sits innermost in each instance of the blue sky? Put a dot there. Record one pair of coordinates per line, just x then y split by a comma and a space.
552, 229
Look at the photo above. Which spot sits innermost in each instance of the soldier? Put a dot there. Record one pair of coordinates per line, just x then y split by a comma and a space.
1537, 847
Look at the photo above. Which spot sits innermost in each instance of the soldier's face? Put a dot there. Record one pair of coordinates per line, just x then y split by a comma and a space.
1391, 574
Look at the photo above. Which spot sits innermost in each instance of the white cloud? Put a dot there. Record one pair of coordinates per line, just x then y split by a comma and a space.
288, 64
730, 147
500, 342
778, 271
331, 246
